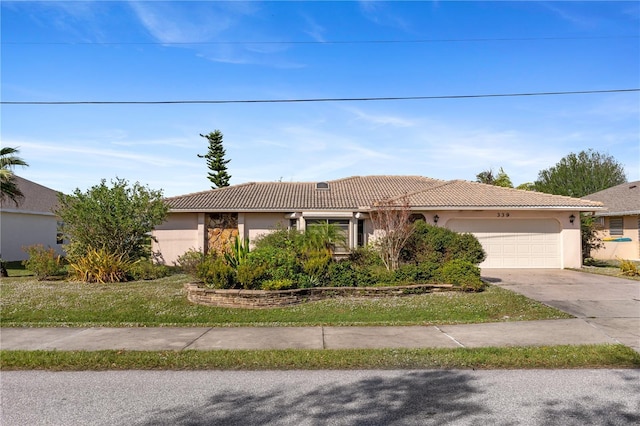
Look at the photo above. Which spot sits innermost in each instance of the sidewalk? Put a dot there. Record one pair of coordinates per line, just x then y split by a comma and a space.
521, 333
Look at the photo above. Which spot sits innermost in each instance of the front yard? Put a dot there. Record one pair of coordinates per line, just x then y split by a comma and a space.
27, 302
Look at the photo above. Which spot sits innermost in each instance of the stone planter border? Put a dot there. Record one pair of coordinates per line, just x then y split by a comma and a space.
255, 299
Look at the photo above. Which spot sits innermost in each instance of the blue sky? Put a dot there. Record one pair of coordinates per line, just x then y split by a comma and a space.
203, 50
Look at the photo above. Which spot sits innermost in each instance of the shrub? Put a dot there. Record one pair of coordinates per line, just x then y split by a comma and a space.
278, 284
237, 253
215, 273
250, 274
437, 244
463, 274
100, 266
365, 257
316, 264
278, 263
189, 261
629, 268
342, 274
43, 262
146, 270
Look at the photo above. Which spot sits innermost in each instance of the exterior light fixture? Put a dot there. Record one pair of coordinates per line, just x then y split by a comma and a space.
436, 218
572, 218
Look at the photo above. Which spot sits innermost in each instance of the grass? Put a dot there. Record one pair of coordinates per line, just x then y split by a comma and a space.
26, 302
607, 269
544, 357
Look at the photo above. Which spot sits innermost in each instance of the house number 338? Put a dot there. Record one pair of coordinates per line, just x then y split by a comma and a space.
501, 214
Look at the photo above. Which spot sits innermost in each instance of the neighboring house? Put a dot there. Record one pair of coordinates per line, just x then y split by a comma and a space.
518, 229
30, 222
620, 222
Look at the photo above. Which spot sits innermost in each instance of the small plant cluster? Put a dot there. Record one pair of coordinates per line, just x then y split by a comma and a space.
96, 266
43, 262
286, 259
629, 268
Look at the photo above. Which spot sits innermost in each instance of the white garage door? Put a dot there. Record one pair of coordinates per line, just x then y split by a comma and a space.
515, 243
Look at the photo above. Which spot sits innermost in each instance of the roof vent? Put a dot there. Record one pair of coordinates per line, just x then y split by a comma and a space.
633, 186
322, 185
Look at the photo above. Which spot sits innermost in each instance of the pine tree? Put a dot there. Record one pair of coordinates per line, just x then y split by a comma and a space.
215, 160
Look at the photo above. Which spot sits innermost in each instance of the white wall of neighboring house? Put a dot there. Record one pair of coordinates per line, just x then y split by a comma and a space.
20, 229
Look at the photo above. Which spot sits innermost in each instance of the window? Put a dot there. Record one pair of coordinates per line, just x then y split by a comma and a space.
616, 225
60, 233
341, 224
293, 224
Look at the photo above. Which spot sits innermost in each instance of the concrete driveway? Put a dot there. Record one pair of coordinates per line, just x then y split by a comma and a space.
608, 303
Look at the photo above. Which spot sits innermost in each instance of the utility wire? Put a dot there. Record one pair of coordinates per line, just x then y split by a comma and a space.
445, 40
265, 101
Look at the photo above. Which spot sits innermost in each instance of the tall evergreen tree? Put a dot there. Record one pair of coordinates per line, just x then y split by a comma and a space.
215, 160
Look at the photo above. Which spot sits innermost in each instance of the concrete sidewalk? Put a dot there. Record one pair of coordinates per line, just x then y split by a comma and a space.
503, 334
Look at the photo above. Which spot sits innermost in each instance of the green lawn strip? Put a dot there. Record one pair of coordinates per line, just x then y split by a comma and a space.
26, 302
544, 357
611, 271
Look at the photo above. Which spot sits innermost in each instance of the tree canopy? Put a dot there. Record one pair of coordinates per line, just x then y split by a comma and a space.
577, 175
117, 218
215, 160
8, 161
501, 179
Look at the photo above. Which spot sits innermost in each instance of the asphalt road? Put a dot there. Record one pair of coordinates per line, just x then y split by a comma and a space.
458, 397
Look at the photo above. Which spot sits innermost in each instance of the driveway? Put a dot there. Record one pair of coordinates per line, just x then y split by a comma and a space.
608, 303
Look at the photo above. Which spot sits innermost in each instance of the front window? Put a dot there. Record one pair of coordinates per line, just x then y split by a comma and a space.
616, 226
331, 227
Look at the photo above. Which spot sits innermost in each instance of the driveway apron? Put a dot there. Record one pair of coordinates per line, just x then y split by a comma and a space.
610, 304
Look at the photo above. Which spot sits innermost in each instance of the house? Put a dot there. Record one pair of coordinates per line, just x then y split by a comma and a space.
619, 222
30, 222
518, 229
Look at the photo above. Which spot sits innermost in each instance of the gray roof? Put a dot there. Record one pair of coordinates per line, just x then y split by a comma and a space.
360, 193
623, 199
37, 198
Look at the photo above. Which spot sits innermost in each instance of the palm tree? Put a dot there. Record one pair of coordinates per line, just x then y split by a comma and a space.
8, 187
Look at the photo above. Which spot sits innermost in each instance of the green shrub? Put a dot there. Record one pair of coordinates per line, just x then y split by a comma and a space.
279, 263
365, 257
215, 273
144, 269
250, 274
437, 244
316, 264
238, 252
463, 274
342, 274
278, 284
188, 262
283, 239
100, 266
415, 274
43, 262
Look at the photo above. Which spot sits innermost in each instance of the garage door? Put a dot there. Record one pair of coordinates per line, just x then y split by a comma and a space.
515, 243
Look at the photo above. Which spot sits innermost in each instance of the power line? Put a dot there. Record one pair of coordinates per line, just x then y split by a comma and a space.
265, 101
312, 42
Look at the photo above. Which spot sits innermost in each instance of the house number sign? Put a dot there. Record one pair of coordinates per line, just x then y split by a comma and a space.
502, 214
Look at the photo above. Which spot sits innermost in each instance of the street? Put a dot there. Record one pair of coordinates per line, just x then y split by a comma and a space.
459, 397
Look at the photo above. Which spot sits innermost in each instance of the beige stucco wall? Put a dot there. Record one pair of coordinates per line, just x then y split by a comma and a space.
178, 234
184, 231
256, 224
612, 250
19, 230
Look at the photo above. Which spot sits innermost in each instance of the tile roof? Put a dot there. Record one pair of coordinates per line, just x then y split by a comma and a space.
623, 199
361, 192
37, 198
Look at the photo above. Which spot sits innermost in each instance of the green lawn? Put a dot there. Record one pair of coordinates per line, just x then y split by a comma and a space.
586, 356
26, 302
